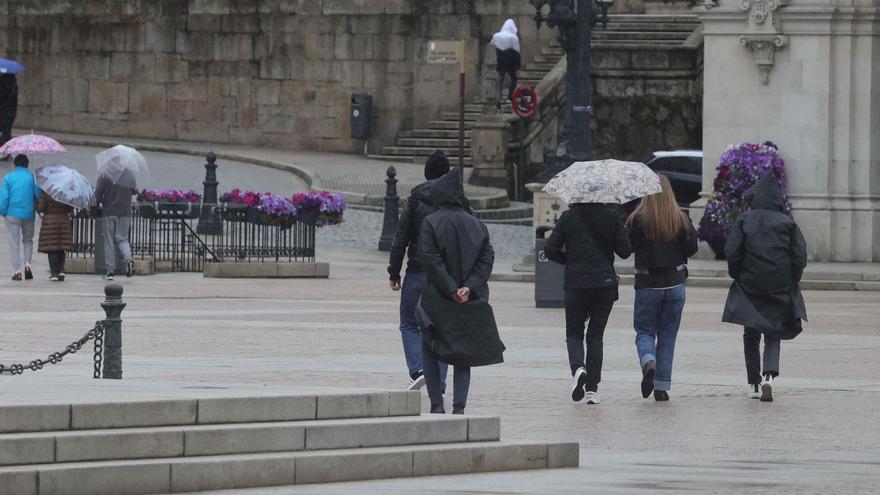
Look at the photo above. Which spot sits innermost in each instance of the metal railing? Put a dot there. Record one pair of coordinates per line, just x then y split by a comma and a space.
167, 233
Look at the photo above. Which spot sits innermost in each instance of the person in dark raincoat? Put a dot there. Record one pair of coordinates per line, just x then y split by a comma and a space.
406, 244
766, 256
8, 107
458, 326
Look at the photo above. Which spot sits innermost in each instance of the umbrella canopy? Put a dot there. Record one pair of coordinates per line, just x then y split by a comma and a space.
10, 66
32, 144
604, 181
123, 165
65, 185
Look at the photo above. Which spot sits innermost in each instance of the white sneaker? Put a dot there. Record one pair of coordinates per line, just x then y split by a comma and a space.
767, 389
417, 382
754, 391
577, 384
592, 397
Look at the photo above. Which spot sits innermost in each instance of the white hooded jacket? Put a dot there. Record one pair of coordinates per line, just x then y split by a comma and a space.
506, 38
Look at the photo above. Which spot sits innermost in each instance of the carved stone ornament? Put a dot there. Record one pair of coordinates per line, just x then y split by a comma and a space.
764, 34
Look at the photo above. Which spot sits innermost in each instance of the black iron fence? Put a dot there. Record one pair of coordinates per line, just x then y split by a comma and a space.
167, 233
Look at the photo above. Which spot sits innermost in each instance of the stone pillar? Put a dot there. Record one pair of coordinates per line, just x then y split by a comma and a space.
803, 75
489, 152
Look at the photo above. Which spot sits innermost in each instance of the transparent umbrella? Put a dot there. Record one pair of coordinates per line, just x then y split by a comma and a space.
123, 166
65, 185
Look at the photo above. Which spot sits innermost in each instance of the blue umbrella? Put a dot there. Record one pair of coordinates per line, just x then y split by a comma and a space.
10, 66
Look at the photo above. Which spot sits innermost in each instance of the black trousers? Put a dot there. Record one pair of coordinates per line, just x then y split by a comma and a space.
5, 132
752, 352
56, 262
588, 308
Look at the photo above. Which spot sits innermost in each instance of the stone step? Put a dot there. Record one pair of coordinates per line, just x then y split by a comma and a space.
546, 59
651, 26
653, 18
413, 159
516, 211
544, 67
149, 476
468, 116
447, 124
473, 108
433, 134
241, 438
439, 143
641, 36
181, 412
637, 44
421, 151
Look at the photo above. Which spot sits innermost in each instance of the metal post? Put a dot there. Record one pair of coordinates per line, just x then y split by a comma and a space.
461, 87
209, 222
389, 225
113, 306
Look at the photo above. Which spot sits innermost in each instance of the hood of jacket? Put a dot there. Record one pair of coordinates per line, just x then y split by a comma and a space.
765, 194
422, 192
507, 38
448, 191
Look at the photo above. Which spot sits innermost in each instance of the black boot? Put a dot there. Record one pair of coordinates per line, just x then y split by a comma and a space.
457, 409
648, 378
661, 396
438, 409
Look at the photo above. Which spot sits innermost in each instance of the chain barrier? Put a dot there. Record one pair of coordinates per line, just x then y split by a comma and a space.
96, 334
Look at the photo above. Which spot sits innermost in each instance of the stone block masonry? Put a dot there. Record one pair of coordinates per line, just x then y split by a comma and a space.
272, 72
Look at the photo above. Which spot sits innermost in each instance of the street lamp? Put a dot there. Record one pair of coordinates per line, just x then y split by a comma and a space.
575, 20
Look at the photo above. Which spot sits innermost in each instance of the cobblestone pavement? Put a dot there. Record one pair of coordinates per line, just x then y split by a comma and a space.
361, 231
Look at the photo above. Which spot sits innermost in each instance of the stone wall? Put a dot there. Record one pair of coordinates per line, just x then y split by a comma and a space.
277, 72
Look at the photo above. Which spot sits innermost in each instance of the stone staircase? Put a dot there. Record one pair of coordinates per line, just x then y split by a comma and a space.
622, 31
185, 445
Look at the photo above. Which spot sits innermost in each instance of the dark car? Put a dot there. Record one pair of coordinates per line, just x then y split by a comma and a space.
684, 169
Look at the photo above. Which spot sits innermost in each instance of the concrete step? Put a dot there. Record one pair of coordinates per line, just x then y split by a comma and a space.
148, 476
516, 211
181, 412
653, 19
446, 124
540, 66
241, 438
392, 158
433, 134
651, 26
546, 59
433, 142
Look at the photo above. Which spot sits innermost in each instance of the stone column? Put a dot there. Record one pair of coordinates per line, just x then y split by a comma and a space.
802, 74
489, 151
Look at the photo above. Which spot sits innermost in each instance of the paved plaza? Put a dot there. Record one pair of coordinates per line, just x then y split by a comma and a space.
185, 332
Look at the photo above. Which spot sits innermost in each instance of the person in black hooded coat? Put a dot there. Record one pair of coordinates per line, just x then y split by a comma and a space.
457, 322
406, 244
766, 256
8, 107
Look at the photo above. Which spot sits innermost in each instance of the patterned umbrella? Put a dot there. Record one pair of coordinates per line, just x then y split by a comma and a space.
32, 144
65, 185
604, 181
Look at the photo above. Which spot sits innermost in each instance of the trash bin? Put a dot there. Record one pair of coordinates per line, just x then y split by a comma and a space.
361, 111
549, 276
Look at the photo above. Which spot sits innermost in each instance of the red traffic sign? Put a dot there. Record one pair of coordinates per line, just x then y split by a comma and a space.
525, 100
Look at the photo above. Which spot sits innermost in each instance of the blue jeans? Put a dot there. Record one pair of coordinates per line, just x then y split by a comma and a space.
410, 333
461, 380
657, 316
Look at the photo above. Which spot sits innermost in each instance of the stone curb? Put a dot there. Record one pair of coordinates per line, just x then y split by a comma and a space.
312, 179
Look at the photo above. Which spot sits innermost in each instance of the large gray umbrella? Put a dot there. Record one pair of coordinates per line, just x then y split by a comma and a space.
604, 181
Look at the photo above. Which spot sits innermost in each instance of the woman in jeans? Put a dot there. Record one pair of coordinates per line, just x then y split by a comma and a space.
662, 238
590, 234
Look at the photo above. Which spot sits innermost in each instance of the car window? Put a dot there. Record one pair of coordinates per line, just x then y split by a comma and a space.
661, 165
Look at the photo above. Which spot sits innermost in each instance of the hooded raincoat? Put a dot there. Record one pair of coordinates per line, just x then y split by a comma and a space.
506, 39
766, 256
455, 252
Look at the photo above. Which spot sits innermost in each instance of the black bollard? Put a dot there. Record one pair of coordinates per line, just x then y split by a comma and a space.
113, 307
209, 221
389, 225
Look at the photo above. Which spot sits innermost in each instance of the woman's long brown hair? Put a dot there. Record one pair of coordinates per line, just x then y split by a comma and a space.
659, 215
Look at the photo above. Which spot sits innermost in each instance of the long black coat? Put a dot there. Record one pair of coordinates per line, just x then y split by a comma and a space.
454, 252
8, 99
766, 256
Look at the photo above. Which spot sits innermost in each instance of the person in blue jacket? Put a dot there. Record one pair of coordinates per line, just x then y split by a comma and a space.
18, 196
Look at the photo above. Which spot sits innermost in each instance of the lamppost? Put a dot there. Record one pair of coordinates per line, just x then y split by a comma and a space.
575, 20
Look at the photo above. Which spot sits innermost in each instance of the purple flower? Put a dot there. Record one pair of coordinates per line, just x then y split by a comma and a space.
170, 195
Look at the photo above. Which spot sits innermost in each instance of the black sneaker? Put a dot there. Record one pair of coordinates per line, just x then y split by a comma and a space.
416, 381
438, 409
661, 396
456, 409
17, 276
648, 378
28, 274
129, 268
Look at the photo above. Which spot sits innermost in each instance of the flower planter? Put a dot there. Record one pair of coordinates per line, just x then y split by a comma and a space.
252, 214
717, 246
308, 217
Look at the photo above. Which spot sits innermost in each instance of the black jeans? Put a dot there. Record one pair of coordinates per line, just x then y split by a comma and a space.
752, 351
582, 305
510, 73
56, 262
